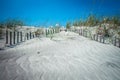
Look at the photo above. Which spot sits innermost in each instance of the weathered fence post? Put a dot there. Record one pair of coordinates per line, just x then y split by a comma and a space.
33, 35
53, 31
48, 31
30, 35
115, 42
81, 31
94, 37
103, 39
17, 37
84, 33
14, 37
6, 36
10, 38
21, 36
100, 38
112, 41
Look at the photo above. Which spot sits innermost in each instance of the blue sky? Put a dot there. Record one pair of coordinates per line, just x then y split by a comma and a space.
50, 12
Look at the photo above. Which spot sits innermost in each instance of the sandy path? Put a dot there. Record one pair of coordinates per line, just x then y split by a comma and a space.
67, 56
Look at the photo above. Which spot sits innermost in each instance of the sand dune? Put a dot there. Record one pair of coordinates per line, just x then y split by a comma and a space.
67, 56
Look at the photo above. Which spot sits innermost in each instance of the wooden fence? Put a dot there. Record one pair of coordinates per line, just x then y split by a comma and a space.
13, 38
50, 31
16, 37
100, 38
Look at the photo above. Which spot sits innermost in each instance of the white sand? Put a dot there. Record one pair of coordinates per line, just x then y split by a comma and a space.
67, 56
